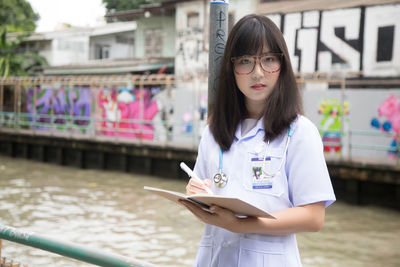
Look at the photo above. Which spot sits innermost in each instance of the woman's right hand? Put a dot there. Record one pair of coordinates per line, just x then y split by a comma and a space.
194, 186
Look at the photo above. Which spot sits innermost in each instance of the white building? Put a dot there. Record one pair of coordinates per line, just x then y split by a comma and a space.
108, 49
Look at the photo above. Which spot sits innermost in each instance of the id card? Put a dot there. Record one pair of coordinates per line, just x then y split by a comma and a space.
260, 179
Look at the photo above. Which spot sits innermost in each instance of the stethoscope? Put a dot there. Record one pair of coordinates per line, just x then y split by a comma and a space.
220, 179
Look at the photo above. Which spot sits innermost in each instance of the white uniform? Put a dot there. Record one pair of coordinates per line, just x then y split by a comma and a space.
303, 179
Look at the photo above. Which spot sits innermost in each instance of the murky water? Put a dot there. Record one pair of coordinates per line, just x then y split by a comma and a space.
111, 211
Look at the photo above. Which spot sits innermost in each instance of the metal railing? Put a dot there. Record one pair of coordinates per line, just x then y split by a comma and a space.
68, 249
121, 131
353, 145
96, 129
23, 108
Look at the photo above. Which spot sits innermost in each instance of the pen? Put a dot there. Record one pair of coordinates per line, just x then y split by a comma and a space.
194, 176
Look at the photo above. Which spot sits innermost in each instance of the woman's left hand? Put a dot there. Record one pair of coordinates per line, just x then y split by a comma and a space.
219, 217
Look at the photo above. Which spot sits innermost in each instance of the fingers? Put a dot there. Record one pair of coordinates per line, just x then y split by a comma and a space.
196, 210
207, 182
197, 187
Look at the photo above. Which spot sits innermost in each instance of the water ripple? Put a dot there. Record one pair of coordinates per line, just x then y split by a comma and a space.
111, 211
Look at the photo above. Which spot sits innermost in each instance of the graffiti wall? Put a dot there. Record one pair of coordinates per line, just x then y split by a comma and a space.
369, 120
363, 39
334, 117
388, 121
62, 108
121, 112
191, 58
127, 113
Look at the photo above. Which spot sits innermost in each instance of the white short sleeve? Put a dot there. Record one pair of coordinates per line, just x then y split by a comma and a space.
306, 169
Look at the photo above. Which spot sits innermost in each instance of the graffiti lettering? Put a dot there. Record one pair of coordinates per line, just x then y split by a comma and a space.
73, 102
221, 35
221, 18
354, 39
190, 56
123, 111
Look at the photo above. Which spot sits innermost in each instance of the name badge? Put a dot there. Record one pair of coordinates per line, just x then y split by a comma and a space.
259, 177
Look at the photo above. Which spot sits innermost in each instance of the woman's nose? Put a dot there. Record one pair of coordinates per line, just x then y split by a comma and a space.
258, 70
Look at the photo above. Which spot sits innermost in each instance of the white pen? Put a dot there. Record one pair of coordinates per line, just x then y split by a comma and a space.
194, 176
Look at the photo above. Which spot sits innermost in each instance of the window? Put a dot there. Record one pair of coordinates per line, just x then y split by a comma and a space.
153, 42
193, 20
124, 39
102, 51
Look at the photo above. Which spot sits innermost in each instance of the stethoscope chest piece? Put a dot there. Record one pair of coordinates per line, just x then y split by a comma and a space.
220, 179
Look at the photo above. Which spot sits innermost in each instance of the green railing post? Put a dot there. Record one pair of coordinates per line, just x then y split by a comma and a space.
68, 249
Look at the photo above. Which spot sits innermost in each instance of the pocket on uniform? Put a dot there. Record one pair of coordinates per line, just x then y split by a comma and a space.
258, 253
265, 176
204, 252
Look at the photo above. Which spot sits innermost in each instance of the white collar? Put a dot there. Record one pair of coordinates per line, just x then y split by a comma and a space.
259, 126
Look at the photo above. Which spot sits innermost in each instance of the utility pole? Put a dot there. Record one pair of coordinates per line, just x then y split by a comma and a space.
218, 36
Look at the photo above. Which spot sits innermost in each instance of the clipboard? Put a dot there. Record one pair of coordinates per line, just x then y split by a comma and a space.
239, 207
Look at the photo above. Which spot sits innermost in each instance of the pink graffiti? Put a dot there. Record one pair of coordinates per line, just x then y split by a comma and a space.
390, 109
122, 114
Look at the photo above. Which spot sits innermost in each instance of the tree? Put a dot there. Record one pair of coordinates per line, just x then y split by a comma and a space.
123, 5
17, 16
13, 62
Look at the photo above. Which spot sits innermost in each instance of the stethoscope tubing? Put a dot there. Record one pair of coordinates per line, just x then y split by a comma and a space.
269, 175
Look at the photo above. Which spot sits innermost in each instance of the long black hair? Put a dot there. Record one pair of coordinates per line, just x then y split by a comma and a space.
248, 37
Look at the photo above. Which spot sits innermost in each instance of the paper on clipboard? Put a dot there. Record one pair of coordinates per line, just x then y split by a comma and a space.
236, 205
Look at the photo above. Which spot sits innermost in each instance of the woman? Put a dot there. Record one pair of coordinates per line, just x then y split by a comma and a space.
265, 152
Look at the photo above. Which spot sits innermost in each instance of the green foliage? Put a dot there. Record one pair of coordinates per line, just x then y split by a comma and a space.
123, 5
13, 62
17, 15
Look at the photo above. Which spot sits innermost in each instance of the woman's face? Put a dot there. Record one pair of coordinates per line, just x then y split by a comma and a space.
257, 83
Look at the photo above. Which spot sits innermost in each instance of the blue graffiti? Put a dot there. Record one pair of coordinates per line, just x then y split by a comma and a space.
386, 127
72, 102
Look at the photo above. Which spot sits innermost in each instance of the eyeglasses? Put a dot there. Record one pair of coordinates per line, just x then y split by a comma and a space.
270, 62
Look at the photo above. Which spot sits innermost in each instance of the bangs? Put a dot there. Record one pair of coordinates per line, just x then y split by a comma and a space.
251, 38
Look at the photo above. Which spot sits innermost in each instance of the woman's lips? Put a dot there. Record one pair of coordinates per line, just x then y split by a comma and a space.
258, 86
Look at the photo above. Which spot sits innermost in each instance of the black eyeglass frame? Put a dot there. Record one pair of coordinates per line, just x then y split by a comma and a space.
257, 58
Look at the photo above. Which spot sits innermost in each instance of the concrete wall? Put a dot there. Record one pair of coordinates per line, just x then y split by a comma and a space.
192, 42
167, 26
68, 49
121, 44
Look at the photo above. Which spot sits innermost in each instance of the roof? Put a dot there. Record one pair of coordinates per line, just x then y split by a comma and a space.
290, 6
109, 28
111, 66
161, 8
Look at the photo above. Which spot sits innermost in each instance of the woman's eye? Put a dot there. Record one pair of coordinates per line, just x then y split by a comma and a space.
245, 61
269, 59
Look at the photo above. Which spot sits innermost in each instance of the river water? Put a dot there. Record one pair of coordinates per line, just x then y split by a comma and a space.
111, 211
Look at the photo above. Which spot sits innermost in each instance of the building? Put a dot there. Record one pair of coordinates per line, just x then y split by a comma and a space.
108, 49
346, 53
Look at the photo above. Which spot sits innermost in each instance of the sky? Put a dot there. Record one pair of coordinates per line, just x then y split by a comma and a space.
75, 12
